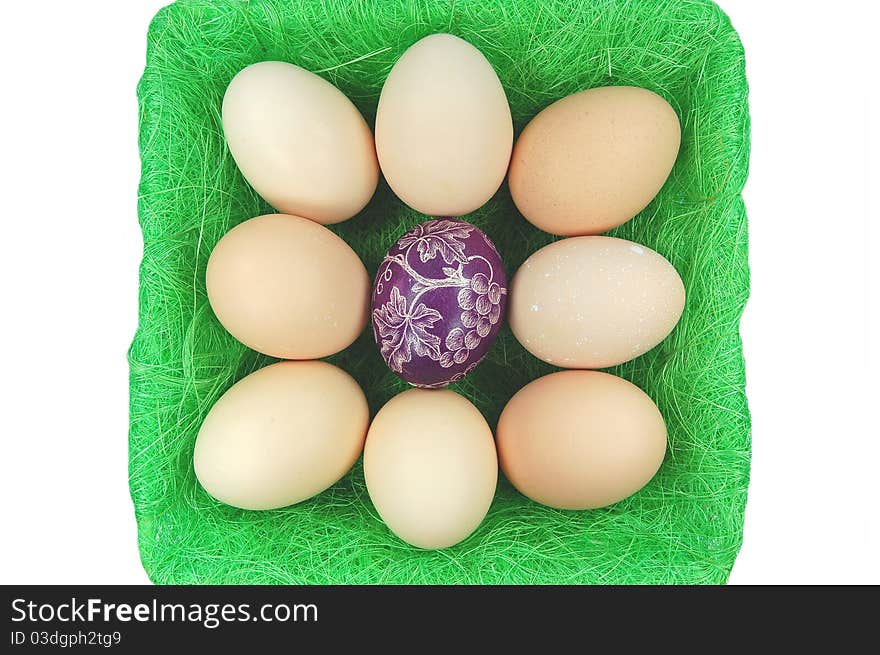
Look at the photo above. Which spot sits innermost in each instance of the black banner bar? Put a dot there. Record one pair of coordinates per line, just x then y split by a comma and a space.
123, 619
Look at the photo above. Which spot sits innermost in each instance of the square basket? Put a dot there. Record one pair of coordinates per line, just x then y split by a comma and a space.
684, 527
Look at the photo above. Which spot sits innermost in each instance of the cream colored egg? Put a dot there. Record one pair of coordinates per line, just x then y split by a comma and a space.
299, 142
593, 160
430, 467
592, 302
443, 127
288, 287
580, 439
281, 435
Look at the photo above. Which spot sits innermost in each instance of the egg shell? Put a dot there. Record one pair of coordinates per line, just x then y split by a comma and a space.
281, 435
288, 287
593, 160
580, 439
439, 297
444, 132
430, 467
299, 142
594, 301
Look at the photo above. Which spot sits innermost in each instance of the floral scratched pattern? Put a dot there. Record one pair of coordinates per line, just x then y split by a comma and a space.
438, 301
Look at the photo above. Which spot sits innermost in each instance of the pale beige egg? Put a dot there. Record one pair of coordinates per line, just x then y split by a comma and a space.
281, 435
288, 287
443, 127
594, 159
580, 439
593, 302
299, 142
430, 467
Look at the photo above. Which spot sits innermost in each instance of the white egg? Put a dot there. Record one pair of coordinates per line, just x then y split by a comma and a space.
281, 435
299, 142
443, 127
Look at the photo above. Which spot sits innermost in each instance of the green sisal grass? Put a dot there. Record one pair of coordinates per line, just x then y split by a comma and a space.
684, 527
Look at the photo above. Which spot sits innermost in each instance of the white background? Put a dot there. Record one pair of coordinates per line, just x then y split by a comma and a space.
70, 247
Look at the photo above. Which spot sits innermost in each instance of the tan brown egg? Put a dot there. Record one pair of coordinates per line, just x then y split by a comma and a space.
288, 287
443, 127
299, 142
430, 467
594, 159
593, 302
281, 435
580, 439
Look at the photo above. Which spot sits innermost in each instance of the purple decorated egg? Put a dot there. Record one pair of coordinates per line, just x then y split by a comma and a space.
438, 300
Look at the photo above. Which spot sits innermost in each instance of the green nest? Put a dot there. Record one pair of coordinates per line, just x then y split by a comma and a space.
684, 527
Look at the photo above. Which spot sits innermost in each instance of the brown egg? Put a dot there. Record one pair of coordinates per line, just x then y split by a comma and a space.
430, 467
443, 127
580, 439
301, 144
592, 302
593, 160
281, 435
288, 287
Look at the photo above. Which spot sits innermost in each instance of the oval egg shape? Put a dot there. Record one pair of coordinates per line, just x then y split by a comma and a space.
580, 439
430, 467
593, 302
439, 297
288, 287
594, 159
281, 435
444, 132
299, 142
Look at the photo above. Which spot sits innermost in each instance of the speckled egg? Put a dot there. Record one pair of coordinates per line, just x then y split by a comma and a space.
438, 300
594, 302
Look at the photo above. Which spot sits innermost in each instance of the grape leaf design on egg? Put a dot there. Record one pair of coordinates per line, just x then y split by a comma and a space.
438, 237
404, 332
